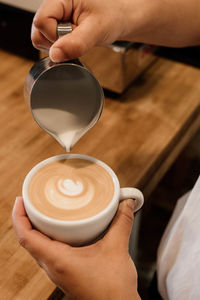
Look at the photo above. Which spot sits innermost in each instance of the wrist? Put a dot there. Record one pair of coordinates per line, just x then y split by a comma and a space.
139, 19
130, 294
167, 24
120, 289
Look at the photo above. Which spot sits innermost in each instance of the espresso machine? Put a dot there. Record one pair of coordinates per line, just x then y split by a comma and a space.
117, 65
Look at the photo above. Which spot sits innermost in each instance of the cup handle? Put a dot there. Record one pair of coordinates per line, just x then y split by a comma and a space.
132, 193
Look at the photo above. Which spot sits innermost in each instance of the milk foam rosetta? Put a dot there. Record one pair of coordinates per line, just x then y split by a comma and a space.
71, 189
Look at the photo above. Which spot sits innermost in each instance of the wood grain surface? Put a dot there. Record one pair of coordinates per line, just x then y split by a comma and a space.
139, 135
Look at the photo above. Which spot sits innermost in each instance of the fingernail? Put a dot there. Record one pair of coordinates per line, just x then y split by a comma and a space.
17, 198
130, 203
56, 54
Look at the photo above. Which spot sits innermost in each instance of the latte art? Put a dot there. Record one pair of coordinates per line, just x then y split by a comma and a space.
68, 193
71, 189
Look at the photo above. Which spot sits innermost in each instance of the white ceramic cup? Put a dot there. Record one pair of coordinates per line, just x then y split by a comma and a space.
78, 232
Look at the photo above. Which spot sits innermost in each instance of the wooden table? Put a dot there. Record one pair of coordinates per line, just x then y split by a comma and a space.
139, 135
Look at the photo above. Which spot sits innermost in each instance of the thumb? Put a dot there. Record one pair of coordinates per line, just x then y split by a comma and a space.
73, 45
121, 226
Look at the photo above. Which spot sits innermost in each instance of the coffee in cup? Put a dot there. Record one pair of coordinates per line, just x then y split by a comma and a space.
73, 198
71, 189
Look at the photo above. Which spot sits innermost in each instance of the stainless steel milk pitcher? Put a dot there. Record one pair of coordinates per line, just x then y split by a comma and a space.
64, 98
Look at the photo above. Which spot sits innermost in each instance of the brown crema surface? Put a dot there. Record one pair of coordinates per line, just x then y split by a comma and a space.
71, 189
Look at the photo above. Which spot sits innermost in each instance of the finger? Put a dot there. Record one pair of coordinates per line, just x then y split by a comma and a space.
48, 14
39, 245
120, 229
86, 35
39, 40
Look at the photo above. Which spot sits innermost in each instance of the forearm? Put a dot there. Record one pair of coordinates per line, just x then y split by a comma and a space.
174, 23
131, 295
